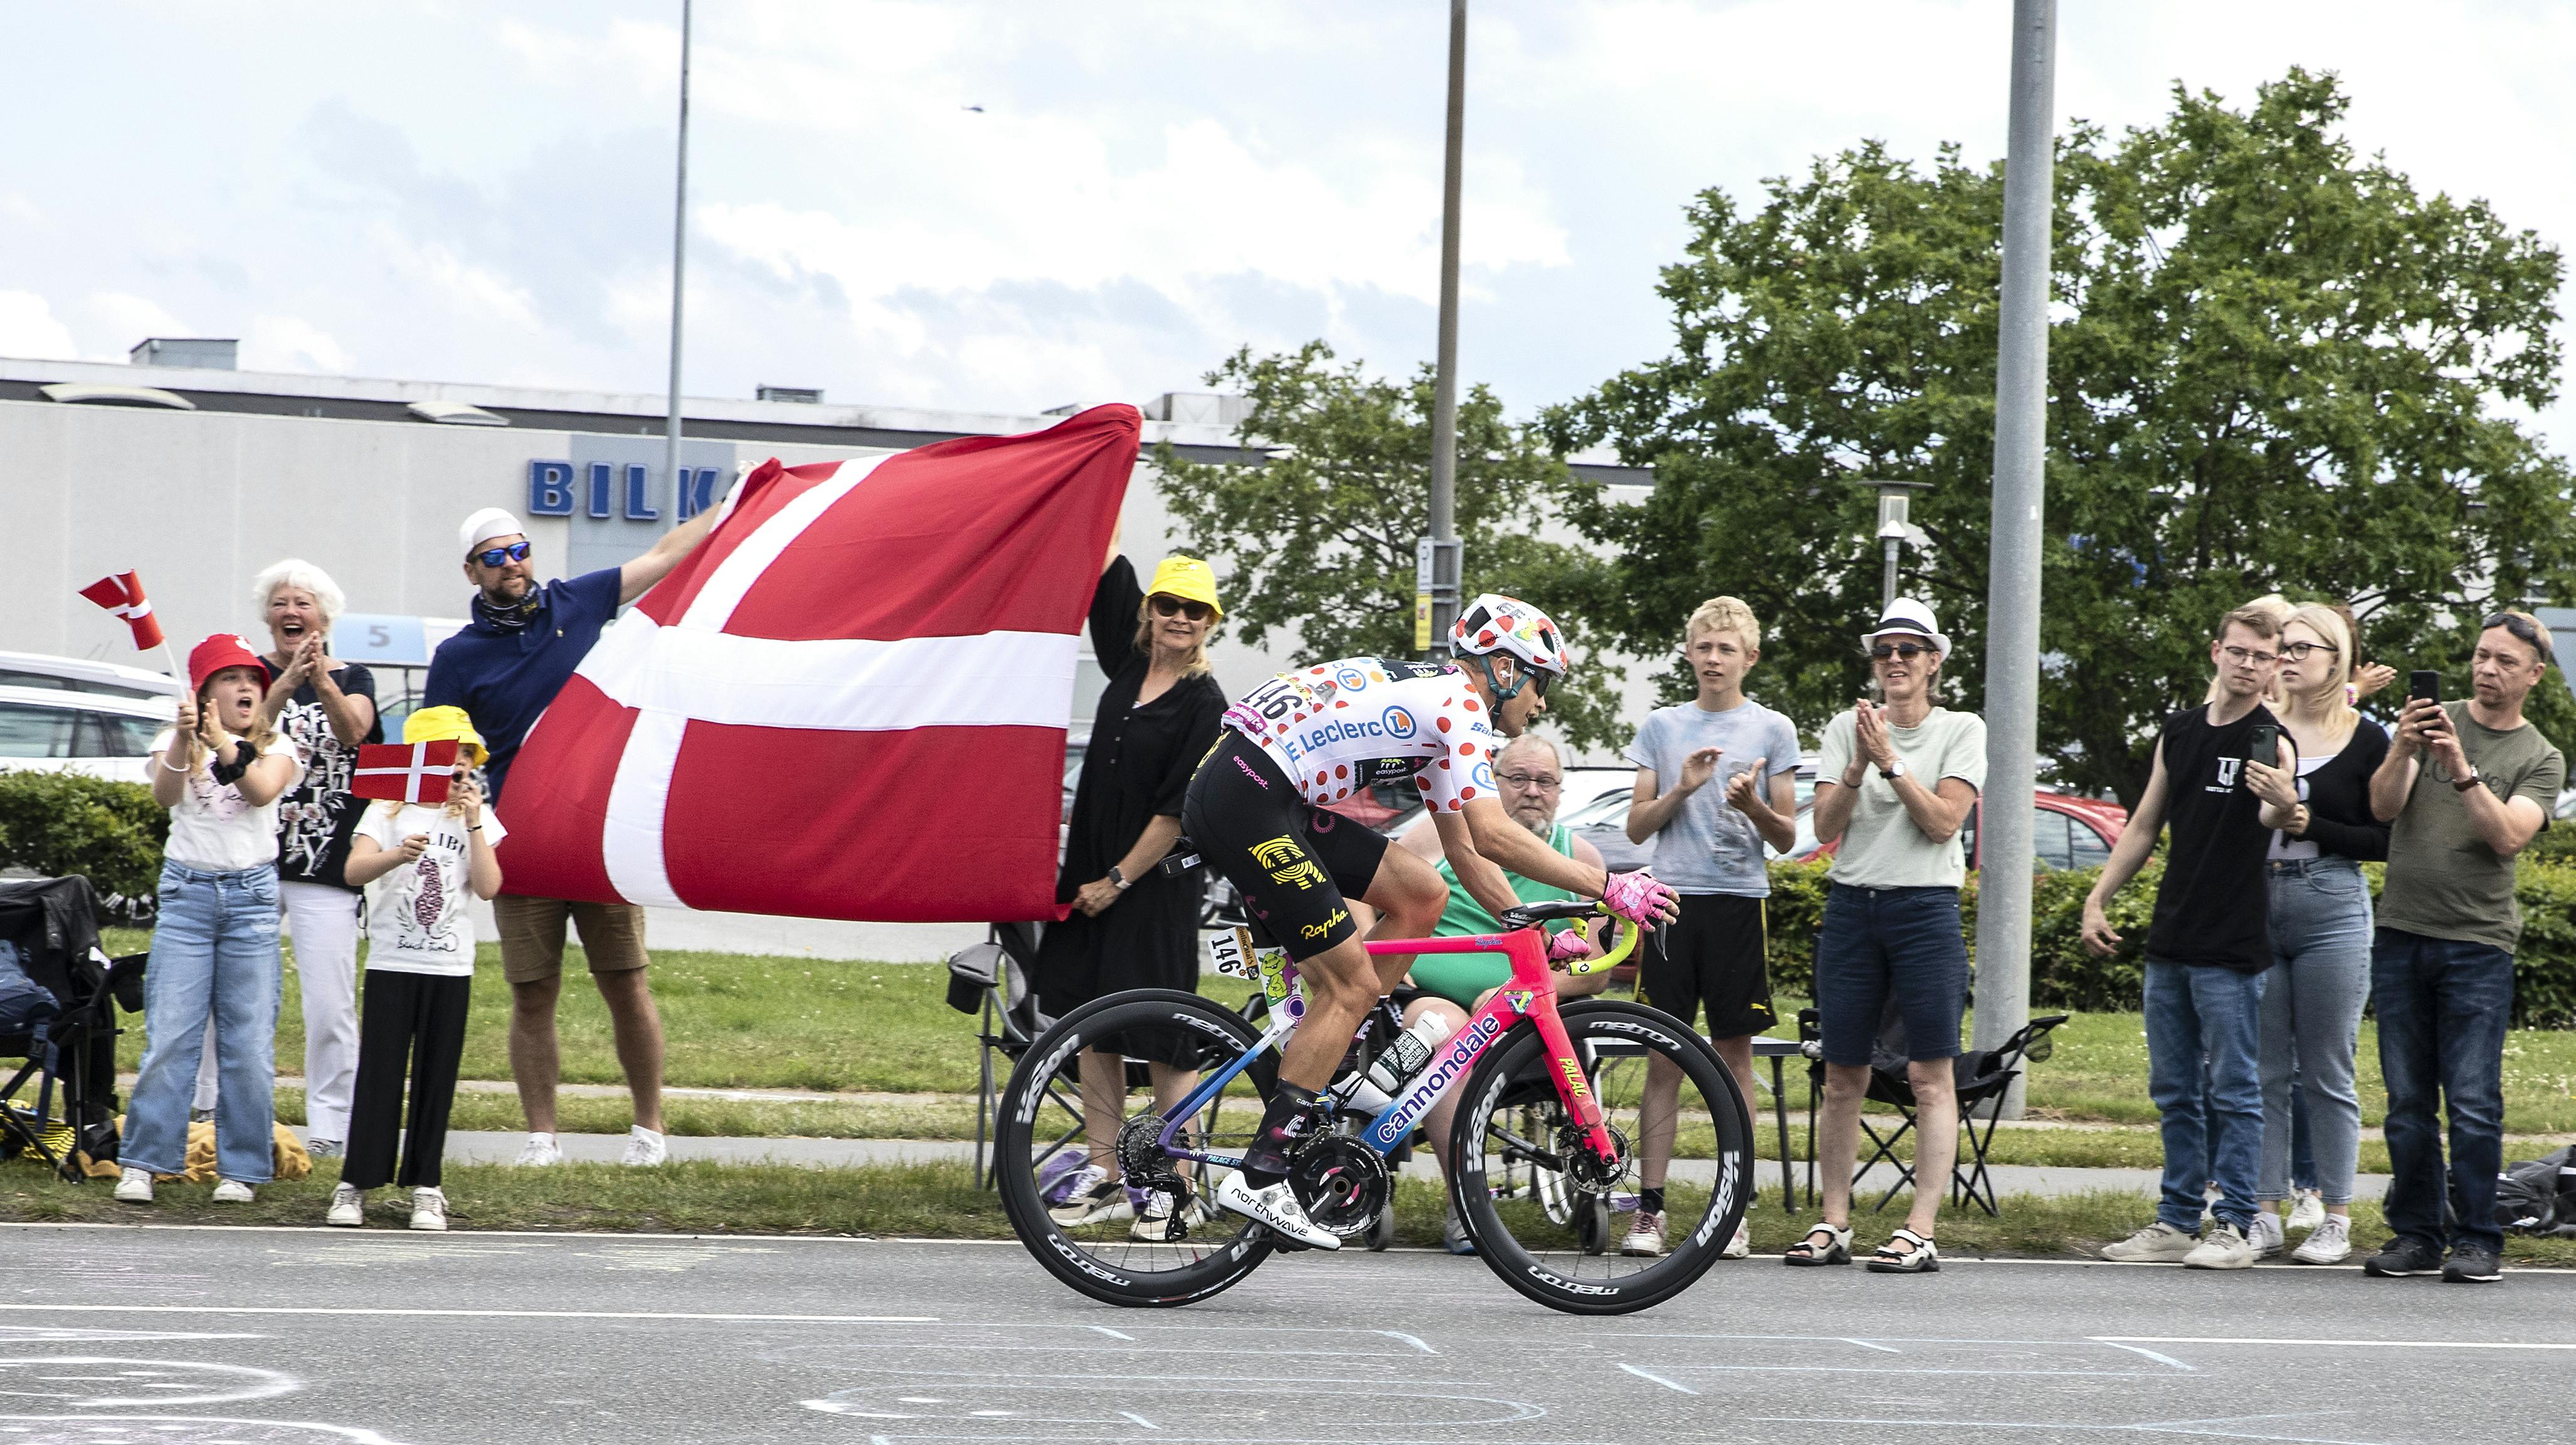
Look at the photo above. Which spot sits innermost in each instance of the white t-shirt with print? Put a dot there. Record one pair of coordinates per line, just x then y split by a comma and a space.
213, 826
417, 915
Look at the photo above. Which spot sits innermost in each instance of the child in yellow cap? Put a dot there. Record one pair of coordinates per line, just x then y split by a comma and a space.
418, 862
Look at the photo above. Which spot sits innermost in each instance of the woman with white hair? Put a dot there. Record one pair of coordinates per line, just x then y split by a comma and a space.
328, 707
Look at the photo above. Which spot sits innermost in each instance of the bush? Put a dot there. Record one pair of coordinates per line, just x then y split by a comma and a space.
2064, 976
63, 823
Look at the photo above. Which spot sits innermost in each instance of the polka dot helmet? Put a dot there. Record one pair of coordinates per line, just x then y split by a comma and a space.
1495, 624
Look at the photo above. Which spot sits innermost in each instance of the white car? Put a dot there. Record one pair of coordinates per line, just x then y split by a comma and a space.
83, 674
52, 730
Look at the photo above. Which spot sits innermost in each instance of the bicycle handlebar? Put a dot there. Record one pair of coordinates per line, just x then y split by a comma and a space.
1531, 915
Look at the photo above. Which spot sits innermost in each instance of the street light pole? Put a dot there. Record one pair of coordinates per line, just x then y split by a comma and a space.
1438, 564
679, 270
1895, 529
2012, 601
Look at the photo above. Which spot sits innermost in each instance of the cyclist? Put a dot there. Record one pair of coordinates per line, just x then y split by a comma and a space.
1320, 734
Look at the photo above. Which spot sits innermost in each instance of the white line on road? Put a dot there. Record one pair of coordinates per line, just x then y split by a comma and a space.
2150, 1354
1413, 1340
2335, 1344
1113, 1334
1658, 1379
481, 1314
1139, 1419
1872, 1345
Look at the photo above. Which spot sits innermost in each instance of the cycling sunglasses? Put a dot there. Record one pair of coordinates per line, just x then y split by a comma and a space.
1168, 606
495, 556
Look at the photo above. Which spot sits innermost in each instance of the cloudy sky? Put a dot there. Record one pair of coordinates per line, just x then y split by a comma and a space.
1013, 206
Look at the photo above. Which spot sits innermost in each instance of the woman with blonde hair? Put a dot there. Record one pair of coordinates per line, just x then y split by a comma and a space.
220, 770
2321, 929
1130, 926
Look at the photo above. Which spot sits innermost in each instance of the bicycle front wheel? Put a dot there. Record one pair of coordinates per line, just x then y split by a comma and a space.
1119, 1252
1548, 1221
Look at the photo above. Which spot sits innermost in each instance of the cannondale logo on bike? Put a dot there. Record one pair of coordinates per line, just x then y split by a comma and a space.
1463, 1051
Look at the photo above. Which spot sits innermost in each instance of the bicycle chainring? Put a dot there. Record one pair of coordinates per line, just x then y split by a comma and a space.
1589, 1172
1341, 1182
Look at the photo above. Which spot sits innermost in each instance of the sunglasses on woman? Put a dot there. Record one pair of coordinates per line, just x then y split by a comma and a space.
1176, 607
495, 556
1907, 650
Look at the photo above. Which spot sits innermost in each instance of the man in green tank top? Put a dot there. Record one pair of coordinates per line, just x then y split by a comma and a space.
1528, 778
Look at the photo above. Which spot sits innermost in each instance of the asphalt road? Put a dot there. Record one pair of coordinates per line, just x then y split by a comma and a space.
291, 1337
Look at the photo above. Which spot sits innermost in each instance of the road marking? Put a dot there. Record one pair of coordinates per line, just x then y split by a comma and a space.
1113, 1334
1658, 1379
480, 1314
1139, 1419
2065, 1428
1872, 1345
2150, 1354
2336, 1344
1413, 1340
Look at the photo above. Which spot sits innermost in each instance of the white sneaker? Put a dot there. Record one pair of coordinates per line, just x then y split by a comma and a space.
134, 1186
1159, 1223
428, 1208
348, 1207
1092, 1197
2309, 1212
1276, 1207
2158, 1243
539, 1151
232, 1191
644, 1149
2329, 1243
1740, 1246
1646, 1235
2223, 1247
2265, 1235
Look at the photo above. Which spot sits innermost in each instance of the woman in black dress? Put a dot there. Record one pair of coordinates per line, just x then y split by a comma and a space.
1131, 926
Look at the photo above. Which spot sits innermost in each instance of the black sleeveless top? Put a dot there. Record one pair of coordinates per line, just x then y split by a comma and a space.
2212, 910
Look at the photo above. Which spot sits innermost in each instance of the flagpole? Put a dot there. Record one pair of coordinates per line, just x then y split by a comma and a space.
679, 263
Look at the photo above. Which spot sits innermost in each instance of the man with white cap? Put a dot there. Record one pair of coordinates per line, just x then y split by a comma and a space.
1896, 779
503, 668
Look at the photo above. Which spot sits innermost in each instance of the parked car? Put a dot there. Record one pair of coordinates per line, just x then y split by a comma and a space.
1599, 812
2067, 831
53, 730
83, 674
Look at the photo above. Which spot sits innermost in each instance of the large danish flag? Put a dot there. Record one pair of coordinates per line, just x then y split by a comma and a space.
849, 702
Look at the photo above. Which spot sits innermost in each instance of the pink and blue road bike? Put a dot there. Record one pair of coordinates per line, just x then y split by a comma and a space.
1558, 1108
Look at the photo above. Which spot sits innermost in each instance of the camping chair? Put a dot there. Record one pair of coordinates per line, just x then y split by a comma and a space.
1980, 1075
991, 979
53, 923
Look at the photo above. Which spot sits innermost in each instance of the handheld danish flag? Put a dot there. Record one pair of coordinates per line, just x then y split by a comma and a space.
122, 594
405, 772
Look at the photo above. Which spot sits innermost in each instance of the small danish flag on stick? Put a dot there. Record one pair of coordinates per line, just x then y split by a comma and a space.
405, 772
122, 594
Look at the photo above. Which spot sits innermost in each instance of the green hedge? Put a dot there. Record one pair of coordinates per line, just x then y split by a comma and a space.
2064, 976
63, 823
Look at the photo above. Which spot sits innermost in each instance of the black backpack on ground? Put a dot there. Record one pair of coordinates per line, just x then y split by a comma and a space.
2538, 1196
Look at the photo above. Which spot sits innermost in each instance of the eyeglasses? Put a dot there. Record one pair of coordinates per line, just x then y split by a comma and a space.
2244, 658
1177, 607
1906, 650
1541, 781
2521, 628
2299, 651
495, 556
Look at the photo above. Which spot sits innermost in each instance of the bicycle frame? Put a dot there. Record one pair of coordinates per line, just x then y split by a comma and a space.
1530, 993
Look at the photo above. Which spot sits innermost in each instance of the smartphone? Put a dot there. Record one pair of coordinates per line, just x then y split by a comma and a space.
2263, 745
2424, 683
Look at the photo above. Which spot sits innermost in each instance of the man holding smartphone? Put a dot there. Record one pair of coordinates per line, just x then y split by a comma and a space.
2209, 946
2468, 785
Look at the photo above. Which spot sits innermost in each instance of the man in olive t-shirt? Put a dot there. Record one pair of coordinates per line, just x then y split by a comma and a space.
2469, 785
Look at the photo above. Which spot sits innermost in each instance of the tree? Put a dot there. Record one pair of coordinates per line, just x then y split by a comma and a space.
2272, 366
1315, 532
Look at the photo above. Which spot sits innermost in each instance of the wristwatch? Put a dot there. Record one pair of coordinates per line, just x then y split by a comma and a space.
2462, 785
1893, 770
1117, 879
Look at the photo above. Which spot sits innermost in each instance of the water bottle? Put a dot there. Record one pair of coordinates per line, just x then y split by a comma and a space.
1407, 1052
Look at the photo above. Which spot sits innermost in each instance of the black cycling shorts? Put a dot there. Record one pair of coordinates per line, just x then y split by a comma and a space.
1295, 864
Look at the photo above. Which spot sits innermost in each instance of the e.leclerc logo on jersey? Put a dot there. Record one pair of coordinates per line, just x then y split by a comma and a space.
1397, 722
1350, 679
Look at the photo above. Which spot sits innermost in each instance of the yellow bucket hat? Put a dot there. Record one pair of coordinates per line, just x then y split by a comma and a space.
1189, 579
445, 724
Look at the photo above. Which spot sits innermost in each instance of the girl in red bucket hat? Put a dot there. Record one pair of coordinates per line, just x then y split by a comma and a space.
219, 770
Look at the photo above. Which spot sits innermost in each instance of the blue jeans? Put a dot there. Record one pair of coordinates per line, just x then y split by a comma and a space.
1881, 943
2213, 1112
214, 953
2312, 1022
2443, 1008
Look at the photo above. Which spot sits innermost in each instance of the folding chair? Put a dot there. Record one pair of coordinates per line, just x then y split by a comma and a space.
1980, 1077
991, 979
53, 924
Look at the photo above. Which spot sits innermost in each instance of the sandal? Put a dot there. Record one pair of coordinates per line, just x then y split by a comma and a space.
1836, 1248
1921, 1259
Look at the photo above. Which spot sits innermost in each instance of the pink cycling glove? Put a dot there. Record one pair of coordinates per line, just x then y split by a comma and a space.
1568, 944
1638, 897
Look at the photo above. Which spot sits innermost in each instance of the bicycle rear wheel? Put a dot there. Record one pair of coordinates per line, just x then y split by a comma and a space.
1102, 1256
1537, 1213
